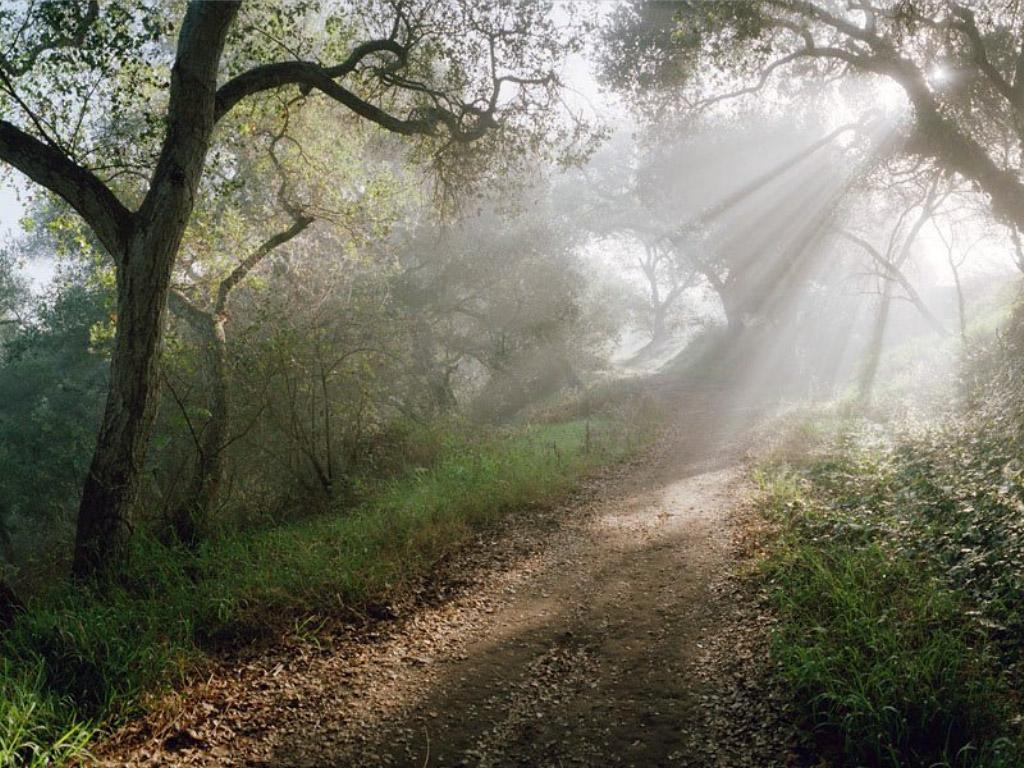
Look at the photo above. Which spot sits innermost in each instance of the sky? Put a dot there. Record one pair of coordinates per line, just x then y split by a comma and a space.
10, 208
39, 271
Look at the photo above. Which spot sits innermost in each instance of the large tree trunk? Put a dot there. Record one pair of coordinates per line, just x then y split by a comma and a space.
143, 278
659, 333
111, 486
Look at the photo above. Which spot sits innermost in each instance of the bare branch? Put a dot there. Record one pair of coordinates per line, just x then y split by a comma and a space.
759, 85
239, 273
894, 274
276, 75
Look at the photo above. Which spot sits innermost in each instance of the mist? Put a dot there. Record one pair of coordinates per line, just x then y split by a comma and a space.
541, 382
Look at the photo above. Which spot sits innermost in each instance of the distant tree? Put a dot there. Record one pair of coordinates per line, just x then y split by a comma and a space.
53, 369
450, 72
499, 293
750, 267
14, 295
918, 204
617, 198
959, 233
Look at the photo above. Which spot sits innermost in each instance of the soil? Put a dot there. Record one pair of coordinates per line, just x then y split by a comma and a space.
615, 630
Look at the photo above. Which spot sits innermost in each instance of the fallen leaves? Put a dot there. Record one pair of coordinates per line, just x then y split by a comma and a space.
608, 632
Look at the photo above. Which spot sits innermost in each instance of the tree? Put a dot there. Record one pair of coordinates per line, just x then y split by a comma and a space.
889, 261
13, 296
952, 236
666, 282
209, 324
53, 367
318, 359
291, 176
888, 265
961, 67
496, 297
449, 73
615, 192
770, 206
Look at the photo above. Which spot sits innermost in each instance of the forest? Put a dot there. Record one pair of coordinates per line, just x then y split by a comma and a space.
512, 383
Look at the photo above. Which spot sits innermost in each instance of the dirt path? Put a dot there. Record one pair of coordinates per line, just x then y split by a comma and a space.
608, 633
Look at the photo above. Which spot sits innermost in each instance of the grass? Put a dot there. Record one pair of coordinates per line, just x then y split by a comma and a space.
891, 658
83, 659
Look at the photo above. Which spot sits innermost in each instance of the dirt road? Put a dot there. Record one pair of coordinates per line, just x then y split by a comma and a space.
609, 632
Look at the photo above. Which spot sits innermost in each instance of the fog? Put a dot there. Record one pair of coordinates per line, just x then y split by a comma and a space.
373, 370
758, 203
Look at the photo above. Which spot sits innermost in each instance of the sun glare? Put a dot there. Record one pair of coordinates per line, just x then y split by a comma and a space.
940, 75
891, 97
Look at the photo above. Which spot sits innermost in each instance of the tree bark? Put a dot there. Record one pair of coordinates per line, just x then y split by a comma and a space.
143, 279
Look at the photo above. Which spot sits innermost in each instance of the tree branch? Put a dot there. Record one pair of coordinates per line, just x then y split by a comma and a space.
810, 11
238, 274
937, 136
894, 274
271, 76
309, 75
183, 307
83, 191
761, 82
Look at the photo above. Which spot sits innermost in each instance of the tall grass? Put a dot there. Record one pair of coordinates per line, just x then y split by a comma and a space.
81, 659
876, 646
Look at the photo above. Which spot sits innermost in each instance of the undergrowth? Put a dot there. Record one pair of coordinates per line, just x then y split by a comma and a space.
83, 659
898, 595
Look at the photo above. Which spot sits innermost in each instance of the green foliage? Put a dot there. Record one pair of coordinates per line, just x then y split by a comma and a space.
896, 654
897, 571
13, 294
51, 384
654, 50
80, 658
36, 729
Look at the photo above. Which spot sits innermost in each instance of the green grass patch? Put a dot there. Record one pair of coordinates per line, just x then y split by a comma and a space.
891, 660
81, 659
